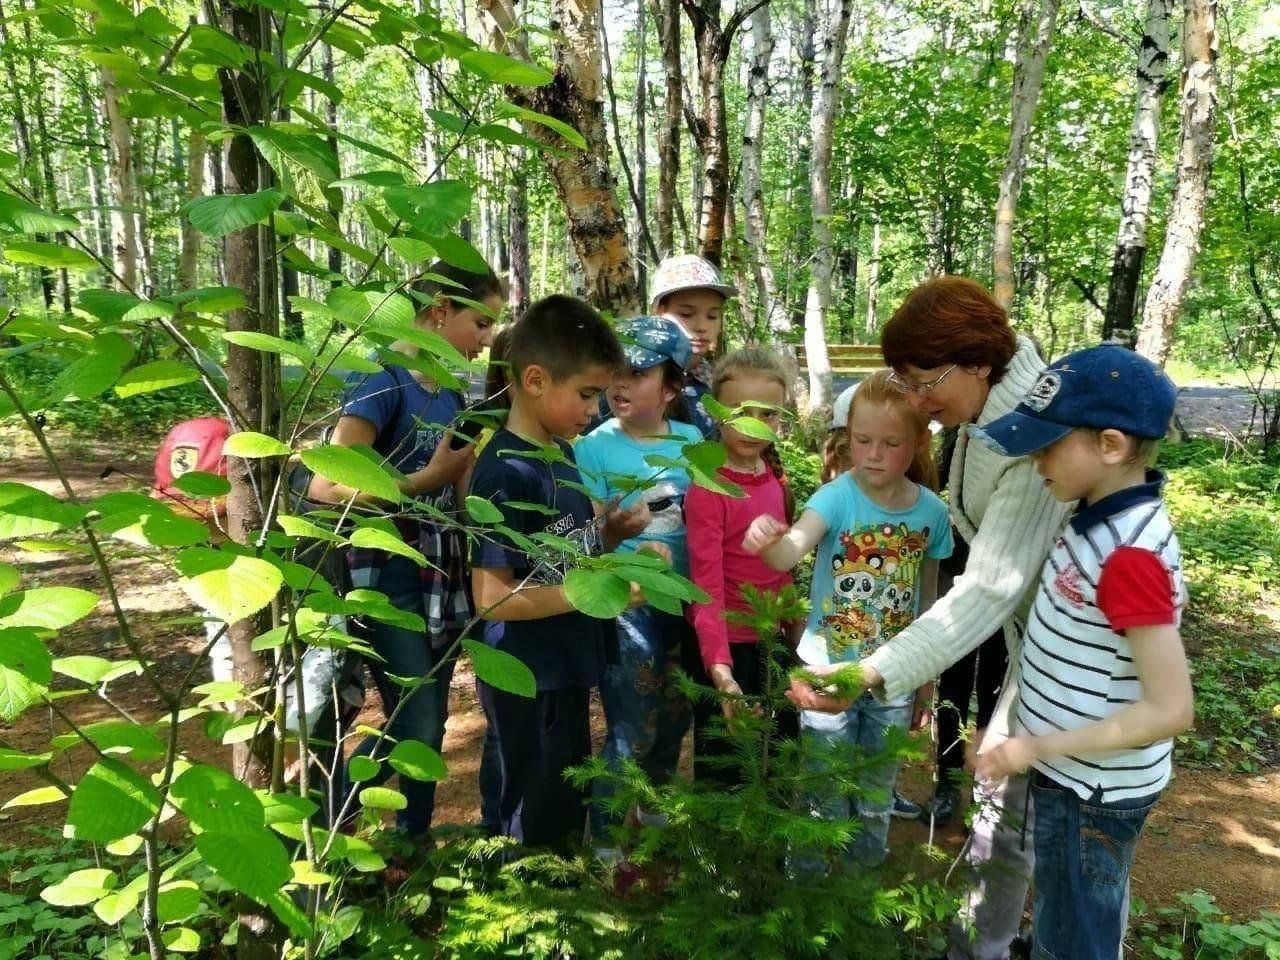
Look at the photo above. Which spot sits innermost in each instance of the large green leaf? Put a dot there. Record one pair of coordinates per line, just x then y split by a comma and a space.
312, 153
116, 737
507, 109
217, 216
252, 445
216, 801
28, 512
19, 216
177, 901
597, 593
80, 888
157, 375
149, 310
452, 249
352, 469
269, 344
9, 577
254, 862
23, 652
417, 761
17, 690
382, 798
371, 309
230, 586
11, 759
197, 483
381, 540
111, 801
499, 68
432, 208
114, 907
49, 608
211, 300
109, 305
500, 669
85, 378
37, 254
483, 511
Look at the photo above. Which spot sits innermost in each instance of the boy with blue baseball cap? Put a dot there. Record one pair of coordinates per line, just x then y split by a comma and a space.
1103, 685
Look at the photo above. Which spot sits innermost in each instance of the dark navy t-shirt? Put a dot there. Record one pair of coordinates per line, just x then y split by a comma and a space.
409, 420
570, 649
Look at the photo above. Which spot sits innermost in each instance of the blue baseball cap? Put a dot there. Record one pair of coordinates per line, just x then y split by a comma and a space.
648, 341
1107, 387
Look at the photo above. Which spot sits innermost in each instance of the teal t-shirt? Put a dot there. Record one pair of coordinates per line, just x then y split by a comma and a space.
608, 453
866, 577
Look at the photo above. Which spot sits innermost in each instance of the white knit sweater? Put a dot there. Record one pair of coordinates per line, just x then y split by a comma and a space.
1010, 520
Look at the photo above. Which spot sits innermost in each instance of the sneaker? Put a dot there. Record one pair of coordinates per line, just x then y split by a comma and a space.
905, 809
946, 800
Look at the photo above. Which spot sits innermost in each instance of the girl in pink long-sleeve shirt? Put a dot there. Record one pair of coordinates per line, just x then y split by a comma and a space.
752, 383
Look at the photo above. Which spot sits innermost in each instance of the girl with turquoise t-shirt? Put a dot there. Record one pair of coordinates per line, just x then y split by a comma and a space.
880, 532
646, 717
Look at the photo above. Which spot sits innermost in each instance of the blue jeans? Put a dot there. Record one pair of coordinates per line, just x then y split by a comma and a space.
1083, 854
646, 716
407, 654
863, 727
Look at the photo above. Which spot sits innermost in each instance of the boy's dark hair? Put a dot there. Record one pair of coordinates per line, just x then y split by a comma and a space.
673, 377
497, 378
462, 283
564, 336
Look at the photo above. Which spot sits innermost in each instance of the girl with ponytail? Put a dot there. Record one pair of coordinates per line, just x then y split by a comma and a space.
879, 531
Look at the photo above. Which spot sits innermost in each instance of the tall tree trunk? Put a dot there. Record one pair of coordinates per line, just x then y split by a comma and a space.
188, 263
873, 279
1035, 35
1131, 244
426, 101
582, 179
518, 215
642, 145
821, 127
252, 376
95, 173
667, 15
771, 316
26, 149
124, 227
45, 150
713, 42
1199, 89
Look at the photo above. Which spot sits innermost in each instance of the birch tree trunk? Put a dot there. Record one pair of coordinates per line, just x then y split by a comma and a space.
1135, 204
771, 316
821, 127
124, 227
667, 15
873, 279
1199, 89
189, 258
582, 178
26, 149
713, 41
1035, 35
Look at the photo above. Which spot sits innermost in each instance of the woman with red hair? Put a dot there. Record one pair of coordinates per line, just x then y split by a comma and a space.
955, 356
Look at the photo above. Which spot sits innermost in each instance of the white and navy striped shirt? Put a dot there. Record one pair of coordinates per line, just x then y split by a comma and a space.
1077, 667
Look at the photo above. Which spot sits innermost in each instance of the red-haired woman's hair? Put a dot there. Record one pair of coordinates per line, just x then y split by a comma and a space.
949, 320
762, 362
878, 390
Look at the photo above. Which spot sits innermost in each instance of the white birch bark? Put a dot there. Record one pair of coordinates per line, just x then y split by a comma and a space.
754, 223
1199, 90
1135, 204
1035, 36
821, 128
124, 228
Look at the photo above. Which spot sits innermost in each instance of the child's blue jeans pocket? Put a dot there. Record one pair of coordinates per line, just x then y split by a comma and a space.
1108, 836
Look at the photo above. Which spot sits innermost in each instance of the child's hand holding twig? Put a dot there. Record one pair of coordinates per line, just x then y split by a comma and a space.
764, 532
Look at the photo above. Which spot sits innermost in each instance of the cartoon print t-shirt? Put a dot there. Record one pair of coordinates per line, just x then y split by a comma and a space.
866, 577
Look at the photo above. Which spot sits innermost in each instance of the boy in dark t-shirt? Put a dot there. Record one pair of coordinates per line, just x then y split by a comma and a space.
562, 356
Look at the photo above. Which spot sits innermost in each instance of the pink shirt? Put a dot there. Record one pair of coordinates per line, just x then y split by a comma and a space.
715, 525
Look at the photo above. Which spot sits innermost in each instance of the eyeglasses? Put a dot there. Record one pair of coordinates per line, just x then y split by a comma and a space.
920, 389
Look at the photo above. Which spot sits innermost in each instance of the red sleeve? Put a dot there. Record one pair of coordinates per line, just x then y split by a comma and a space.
704, 530
1136, 590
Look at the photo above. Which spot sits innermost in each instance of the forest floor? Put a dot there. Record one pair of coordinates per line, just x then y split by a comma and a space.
1215, 829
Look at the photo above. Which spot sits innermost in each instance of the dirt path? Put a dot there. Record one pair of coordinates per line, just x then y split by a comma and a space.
1218, 831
